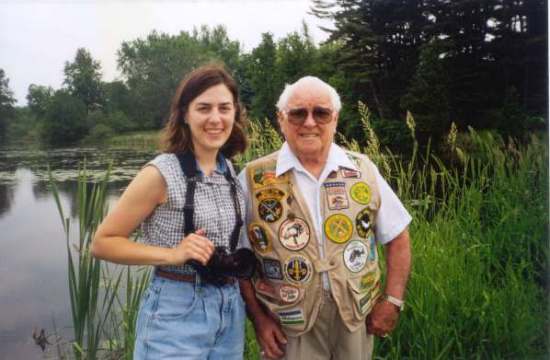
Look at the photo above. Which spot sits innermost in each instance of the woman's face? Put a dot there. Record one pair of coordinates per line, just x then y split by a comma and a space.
210, 117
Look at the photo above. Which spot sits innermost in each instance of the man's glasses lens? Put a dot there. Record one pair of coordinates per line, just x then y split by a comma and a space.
320, 115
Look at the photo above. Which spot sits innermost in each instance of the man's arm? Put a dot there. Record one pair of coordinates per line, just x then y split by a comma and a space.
268, 332
383, 317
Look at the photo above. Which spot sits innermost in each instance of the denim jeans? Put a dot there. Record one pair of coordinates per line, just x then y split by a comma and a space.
183, 320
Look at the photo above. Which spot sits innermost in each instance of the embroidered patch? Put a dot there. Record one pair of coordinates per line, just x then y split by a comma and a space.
258, 238
289, 294
291, 317
351, 174
263, 177
270, 193
270, 210
338, 228
294, 233
363, 302
367, 281
337, 199
362, 223
298, 269
272, 269
355, 256
372, 248
360, 192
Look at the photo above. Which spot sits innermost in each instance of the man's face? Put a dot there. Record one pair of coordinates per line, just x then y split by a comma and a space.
311, 138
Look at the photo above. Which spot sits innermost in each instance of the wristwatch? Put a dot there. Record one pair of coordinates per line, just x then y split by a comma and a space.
395, 301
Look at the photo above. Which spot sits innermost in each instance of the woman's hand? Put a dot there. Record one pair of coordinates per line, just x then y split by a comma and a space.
192, 247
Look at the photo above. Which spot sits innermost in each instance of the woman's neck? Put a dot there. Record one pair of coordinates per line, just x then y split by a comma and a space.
207, 161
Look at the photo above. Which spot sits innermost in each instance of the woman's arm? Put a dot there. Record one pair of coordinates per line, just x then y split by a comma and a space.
146, 191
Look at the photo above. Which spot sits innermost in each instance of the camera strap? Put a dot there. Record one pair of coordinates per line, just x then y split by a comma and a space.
188, 166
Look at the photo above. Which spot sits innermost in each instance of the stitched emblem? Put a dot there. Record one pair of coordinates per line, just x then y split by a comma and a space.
294, 233
338, 228
298, 269
360, 192
372, 247
272, 269
362, 222
258, 238
337, 199
355, 256
291, 317
351, 174
270, 208
289, 294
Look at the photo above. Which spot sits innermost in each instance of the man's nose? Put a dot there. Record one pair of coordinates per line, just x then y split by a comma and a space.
310, 121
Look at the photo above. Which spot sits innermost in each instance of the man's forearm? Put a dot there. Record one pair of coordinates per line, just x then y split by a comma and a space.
398, 264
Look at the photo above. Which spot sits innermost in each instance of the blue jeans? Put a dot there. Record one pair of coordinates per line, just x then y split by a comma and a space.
183, 320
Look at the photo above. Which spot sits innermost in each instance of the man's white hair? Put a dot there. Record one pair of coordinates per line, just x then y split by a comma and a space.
309, 80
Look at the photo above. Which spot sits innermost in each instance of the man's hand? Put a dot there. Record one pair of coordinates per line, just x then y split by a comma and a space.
382, 318
270, 337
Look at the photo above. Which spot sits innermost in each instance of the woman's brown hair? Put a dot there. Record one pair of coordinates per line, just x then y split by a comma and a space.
177, 135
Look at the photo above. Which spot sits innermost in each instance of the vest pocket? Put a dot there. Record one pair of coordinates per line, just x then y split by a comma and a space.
285, 301
364, 291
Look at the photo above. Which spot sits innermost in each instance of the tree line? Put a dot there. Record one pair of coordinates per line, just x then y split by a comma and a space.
475, 63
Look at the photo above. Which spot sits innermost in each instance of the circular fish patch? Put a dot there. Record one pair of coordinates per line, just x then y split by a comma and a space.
355, 255
360, 192
338, 228
258, 238
298, 269
362, 223
294, 234
289, 294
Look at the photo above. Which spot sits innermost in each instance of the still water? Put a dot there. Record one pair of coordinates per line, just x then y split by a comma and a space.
33, 258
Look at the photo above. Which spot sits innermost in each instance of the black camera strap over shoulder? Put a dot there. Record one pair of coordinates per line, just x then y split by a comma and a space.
188, 166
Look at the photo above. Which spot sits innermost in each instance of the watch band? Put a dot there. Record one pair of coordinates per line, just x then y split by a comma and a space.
395, 301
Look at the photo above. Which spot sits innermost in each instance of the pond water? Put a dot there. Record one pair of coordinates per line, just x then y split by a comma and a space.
33, 258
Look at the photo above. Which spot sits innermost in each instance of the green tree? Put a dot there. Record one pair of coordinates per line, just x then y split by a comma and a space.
7, 101
38, 99
83, 79
65, 120
265, 81
427, 97
154, 66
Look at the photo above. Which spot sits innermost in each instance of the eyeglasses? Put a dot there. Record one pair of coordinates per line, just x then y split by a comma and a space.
320, 114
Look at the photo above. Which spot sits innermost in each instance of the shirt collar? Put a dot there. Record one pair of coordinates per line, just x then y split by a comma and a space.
287, 160
221, 165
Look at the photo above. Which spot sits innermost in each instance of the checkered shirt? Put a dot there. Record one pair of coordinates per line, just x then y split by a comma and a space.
214, 210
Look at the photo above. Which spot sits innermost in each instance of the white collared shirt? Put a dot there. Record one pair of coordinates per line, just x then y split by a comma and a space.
391, 219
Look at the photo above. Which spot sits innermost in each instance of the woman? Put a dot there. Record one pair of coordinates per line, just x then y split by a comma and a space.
183, 315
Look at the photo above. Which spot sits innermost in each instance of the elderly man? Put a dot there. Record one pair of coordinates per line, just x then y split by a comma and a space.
316, 213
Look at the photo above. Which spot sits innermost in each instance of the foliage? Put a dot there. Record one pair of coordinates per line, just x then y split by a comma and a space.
39, 98
83, 79
153, 67
6, 104
65, 119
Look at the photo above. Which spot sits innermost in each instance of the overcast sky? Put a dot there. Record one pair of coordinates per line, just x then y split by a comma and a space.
38, 37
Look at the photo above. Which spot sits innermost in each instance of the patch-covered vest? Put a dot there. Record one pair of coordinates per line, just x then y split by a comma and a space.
283, 237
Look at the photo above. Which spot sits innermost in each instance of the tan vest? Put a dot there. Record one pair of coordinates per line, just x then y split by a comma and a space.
283, 237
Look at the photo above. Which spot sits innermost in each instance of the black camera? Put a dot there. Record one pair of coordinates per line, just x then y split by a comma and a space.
240, 264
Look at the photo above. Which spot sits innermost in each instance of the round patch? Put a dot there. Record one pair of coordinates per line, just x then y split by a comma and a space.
360, 192
270, 210
338, 228
289, 294
258, 238
294, 234
362, 223
355, 256
298, 269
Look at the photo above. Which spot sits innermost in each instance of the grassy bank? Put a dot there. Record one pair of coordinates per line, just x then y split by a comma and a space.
478, 288
143, 140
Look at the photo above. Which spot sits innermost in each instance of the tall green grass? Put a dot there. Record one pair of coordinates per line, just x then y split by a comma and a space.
478, 288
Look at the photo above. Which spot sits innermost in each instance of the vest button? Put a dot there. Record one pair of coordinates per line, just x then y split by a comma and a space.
331, 263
